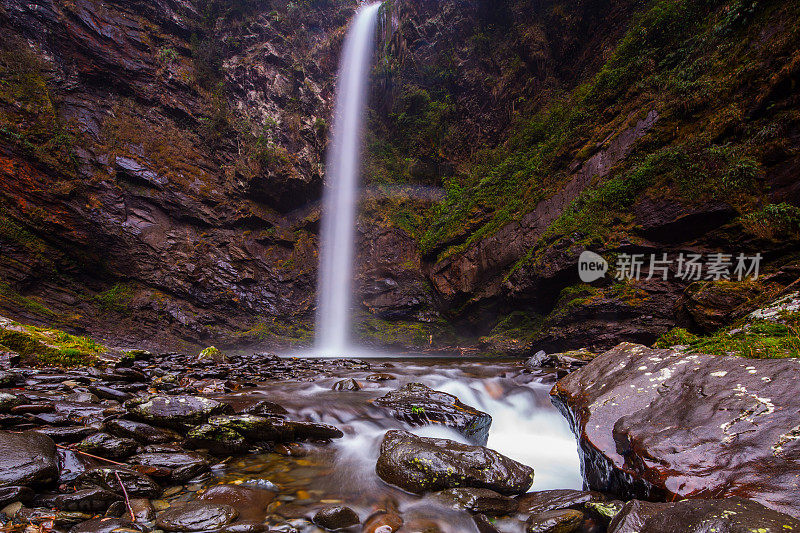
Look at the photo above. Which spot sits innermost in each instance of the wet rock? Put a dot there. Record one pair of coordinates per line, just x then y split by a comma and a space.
604, 511
196, 516
482, 501
561, 521
550, 500
333, 518
71, 464
178, 412
484, 524
108, 478
418, 405
67, 433
12, 494
212, 354
731, 515
314, 431
420, 464
380, 376
93, 500
265, 408
383, 521
7, 401
144, 433
217, 439
251, 503
662, 424
9, 379
26, 458
142, 509
565, 361
109, 393
178, 467
105, 525
108, 446
346, 384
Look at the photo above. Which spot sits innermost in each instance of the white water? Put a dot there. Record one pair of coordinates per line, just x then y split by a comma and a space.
339, 199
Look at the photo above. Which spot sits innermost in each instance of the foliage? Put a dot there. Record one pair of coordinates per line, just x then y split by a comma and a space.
29, 118
760, 339
689, 59
116, 299
46, 346
774, 221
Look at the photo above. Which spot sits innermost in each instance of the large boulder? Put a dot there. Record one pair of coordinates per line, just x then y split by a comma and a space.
661, 424
731, 515
421, 464
419, 405
178, 412
26, 458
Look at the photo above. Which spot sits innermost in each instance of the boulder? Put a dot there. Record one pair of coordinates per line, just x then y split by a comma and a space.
346, 384
93, 500
196, 516
179, 467
664, 425
482, 501
27, 458
13, 494
551, 500
109, 478
144, 433
333, 518
7, 401
108, 446
419, 405
217, 439
251, 503
729, 515
177, 412
105, 525
559, 521
421, 464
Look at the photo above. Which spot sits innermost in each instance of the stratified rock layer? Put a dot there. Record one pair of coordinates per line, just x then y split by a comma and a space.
661, 424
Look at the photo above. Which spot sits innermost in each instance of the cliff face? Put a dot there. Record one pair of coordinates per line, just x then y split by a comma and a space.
161, 163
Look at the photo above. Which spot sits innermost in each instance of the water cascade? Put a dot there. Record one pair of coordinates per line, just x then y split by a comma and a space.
339, 199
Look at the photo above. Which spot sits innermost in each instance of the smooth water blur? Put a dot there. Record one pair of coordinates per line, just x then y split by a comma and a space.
525, 426
339, 200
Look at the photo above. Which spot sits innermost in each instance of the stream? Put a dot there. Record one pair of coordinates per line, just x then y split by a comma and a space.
525, 427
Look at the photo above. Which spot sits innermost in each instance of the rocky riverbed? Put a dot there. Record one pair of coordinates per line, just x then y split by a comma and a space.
257, 442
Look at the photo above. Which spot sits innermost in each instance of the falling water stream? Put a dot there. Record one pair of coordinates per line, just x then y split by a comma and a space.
339, 200
525, 427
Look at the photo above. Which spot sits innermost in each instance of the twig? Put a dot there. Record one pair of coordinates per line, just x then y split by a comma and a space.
90, 455
125, 493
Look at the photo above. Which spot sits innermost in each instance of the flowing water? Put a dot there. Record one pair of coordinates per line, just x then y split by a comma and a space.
525, 426
342, 170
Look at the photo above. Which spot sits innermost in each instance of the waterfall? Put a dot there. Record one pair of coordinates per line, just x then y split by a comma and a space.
341, 174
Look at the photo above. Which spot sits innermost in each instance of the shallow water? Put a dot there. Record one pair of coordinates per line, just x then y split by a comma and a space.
525, 426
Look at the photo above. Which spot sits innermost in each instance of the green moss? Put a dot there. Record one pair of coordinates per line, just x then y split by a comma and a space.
280, 331
675, 337
418, 335
29, 118
117, 299
46, 346
774, 222
761, 339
